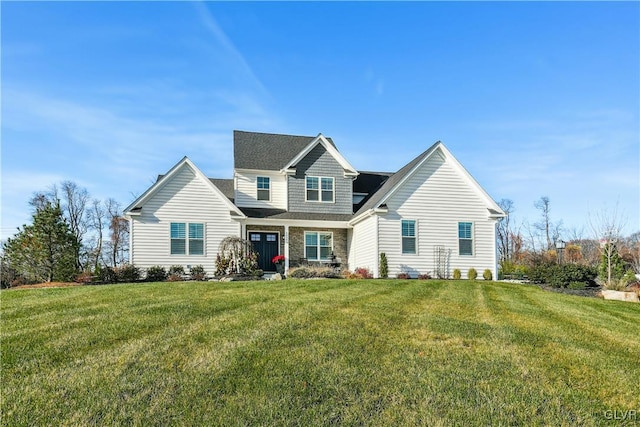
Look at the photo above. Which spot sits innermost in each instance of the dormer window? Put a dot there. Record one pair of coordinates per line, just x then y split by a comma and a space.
264, 188
320, 189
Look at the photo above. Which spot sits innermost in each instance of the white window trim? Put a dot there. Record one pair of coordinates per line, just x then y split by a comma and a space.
415, 237
318, 245
186, 244
473, 238
262, 189
320, 178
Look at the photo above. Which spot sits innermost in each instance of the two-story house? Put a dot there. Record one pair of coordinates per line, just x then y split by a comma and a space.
299, 197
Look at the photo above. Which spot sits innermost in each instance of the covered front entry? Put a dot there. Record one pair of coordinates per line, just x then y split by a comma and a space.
267, 245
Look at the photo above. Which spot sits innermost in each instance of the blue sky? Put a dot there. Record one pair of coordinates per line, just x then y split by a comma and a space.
535, 99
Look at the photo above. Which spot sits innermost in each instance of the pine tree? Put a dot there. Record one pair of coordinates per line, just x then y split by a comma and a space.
44, 250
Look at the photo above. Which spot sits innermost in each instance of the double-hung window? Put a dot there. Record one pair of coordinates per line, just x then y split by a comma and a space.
320, 189
465, 238
264, 188
318, 245
178, 238
183, 243
196, 239
408, 236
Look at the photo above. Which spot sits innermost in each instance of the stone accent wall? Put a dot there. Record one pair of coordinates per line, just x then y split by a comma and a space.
296, 244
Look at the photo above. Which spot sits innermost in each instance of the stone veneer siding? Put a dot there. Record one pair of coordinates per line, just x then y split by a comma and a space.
296, 244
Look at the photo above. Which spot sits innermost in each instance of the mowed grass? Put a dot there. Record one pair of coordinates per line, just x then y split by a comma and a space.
381, 352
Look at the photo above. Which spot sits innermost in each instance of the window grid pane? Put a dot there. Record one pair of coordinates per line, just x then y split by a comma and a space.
312, 183
178, 230
408, 228
196, 231
263, 183
464, 230
327, 184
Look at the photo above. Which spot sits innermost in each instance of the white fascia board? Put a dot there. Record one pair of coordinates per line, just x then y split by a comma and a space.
320, 139
364, 215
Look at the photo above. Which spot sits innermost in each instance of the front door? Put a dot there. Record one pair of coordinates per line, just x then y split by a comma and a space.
267, 246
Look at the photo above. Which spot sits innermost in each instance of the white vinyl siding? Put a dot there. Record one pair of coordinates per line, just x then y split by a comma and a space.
438, 196
363, 245
248, 191
184, 199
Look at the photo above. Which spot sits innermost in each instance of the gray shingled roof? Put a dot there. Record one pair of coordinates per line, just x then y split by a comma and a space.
393, 181
226, 186
267, 151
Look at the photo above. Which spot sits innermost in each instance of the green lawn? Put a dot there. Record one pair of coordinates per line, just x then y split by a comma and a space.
381, 352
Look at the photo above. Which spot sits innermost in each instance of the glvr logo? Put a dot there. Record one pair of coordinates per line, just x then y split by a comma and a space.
627, 415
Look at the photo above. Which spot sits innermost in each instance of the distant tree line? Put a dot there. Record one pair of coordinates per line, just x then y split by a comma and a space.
70, 233
526, 247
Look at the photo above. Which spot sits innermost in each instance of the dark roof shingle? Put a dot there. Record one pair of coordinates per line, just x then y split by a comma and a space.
267, 151
226, 186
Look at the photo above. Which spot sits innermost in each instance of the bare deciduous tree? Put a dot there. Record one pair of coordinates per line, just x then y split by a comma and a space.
504, 230
119, 233
550, 231
96, 217
607, 226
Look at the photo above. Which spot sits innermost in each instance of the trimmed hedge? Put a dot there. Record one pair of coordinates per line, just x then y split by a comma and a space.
562, 275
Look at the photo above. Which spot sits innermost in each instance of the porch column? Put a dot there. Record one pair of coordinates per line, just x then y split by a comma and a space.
286, 248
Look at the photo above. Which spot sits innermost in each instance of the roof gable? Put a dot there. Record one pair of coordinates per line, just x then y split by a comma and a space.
331, 149
398, 179
135, 207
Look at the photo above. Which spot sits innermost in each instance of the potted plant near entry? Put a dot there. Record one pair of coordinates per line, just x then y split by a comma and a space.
278, 260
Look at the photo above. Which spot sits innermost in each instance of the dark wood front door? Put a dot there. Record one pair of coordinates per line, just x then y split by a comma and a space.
267, 246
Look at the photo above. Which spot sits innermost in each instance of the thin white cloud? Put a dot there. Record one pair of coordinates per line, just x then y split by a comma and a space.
223, 40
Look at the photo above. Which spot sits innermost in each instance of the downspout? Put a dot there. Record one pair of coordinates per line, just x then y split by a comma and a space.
130, 240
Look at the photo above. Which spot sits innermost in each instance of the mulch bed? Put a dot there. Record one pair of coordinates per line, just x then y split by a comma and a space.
48, 285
